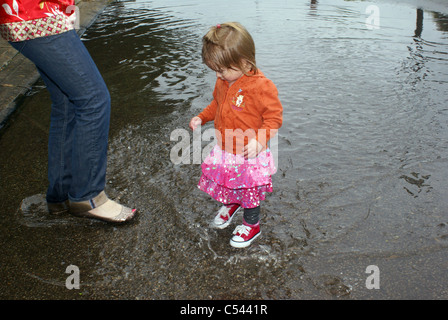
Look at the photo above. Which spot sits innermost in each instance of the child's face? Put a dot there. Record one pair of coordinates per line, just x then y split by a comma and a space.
229, 74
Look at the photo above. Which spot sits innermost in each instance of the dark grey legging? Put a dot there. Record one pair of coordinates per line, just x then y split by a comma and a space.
252, 215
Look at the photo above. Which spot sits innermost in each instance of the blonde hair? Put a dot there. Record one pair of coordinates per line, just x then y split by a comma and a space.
229, 45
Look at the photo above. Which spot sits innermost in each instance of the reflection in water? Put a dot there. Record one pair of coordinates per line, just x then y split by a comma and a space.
418, 181
419, 23
313, 6
441, 20
362, 152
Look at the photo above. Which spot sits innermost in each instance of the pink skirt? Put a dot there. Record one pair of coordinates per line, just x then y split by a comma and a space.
229, 178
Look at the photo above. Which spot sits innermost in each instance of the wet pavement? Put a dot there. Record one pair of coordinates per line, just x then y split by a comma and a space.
362, 161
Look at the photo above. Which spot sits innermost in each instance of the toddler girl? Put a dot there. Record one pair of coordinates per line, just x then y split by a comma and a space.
246, 112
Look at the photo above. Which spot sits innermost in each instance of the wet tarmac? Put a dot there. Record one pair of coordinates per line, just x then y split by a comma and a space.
362, 161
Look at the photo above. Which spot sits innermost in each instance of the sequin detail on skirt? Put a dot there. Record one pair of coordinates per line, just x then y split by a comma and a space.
228, 178
246, 197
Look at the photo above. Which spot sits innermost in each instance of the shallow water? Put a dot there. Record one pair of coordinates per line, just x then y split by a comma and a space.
362, 157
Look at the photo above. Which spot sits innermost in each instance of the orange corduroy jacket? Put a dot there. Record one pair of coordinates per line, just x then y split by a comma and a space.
249, 108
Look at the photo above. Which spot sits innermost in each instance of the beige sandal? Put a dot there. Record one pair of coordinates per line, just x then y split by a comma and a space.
102, 208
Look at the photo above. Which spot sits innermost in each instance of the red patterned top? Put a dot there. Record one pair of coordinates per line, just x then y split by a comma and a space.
28, 19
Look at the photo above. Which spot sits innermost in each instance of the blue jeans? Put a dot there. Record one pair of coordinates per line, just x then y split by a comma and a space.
80, 115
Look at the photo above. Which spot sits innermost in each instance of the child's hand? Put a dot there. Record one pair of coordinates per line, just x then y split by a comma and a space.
195, 122
252, 149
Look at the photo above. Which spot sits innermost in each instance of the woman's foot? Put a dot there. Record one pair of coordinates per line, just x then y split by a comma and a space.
225, 216
102, 208
244, 235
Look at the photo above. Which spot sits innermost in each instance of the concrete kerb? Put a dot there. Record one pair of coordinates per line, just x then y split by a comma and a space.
18, 74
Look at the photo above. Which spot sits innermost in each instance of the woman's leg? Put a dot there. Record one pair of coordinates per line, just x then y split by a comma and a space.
83, 114
60, 142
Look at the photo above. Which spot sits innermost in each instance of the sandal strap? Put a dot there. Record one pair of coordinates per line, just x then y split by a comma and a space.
83, 206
